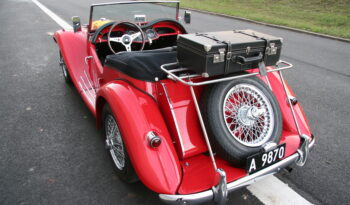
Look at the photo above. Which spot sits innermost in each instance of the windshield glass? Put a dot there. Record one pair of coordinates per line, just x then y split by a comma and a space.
132, 11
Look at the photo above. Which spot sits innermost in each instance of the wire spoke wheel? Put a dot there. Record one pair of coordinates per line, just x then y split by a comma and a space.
63, 66
116, 147
241, 116
114, 140
248, 115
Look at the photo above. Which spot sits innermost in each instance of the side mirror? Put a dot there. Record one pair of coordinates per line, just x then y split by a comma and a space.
76, 23
187, 17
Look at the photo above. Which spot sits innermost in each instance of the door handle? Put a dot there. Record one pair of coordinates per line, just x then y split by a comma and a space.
87, 58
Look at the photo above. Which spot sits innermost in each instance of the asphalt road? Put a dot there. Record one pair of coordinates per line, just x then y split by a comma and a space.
51, 152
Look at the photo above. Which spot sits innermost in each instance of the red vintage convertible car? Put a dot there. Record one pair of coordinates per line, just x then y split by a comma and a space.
191, 138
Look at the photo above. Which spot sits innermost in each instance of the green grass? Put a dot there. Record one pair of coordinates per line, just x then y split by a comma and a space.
330, 17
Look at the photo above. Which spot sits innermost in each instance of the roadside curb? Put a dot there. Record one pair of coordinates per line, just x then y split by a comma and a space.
271, 25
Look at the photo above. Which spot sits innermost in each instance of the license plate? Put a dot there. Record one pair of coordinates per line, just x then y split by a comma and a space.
259, 161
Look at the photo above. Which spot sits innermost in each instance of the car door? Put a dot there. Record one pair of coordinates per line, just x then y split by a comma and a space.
95, 68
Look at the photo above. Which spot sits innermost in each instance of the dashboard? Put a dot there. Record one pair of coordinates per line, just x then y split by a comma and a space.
152, 31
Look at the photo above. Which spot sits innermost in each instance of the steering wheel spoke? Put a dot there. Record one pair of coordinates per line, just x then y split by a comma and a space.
135, 35
116, 39
128, 47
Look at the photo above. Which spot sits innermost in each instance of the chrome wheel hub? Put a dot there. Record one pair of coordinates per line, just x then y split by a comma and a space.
114, 142
248, 115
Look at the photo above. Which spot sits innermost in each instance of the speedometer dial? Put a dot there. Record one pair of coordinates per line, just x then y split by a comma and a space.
151, 33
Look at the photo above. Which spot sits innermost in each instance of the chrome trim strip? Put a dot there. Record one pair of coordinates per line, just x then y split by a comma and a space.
174, 116
85, 93
86, 87
88, 79
87, 90
208, 195
132, 2
175, 77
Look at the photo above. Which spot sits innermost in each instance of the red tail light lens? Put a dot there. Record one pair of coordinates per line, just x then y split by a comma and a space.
153, 139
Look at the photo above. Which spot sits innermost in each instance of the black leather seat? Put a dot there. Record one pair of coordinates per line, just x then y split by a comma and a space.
142, 65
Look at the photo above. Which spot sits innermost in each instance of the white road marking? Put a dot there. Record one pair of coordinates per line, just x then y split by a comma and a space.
54, 17
272, 191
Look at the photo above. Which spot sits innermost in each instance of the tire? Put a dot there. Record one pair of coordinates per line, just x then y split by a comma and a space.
116, 147
65, 72
245, 123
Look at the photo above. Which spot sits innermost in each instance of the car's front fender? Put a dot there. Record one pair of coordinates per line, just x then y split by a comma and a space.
73, 47
137, 114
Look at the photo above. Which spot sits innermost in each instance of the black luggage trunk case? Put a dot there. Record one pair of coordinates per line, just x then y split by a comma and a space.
225, 52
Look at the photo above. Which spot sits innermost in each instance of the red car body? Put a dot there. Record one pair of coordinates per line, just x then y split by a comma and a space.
179, 166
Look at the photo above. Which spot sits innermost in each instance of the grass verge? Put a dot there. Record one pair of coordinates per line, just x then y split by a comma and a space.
330, 17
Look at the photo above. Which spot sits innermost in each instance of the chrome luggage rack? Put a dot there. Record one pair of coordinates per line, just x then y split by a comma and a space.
177, 74
220, 191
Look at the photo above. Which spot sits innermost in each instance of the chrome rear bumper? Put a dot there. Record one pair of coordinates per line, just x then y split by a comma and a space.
208, 195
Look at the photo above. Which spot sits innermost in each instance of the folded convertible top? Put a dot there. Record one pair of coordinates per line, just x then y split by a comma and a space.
142, 65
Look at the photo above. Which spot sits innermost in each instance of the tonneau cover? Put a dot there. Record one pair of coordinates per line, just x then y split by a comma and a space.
142, 65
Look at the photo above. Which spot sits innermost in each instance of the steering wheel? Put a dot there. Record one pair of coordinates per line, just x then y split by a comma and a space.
126, 40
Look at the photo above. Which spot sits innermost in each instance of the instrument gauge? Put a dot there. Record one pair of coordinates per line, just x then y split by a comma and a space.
151, 33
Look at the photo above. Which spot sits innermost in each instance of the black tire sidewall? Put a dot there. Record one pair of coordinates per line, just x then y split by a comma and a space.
67, 78
223, 142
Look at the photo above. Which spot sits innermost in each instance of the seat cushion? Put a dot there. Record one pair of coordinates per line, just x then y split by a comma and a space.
142, 65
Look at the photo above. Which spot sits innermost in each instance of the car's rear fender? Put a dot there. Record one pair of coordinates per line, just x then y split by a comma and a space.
288, 123
137, 114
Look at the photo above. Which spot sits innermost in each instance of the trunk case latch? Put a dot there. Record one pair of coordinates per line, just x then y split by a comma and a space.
272, 50
219, 58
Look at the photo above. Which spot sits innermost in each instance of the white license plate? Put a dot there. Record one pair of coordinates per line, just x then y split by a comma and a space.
261, 160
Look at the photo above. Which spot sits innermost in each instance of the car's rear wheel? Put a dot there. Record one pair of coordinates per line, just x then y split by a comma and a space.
64, 70
241, 117
116, 147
